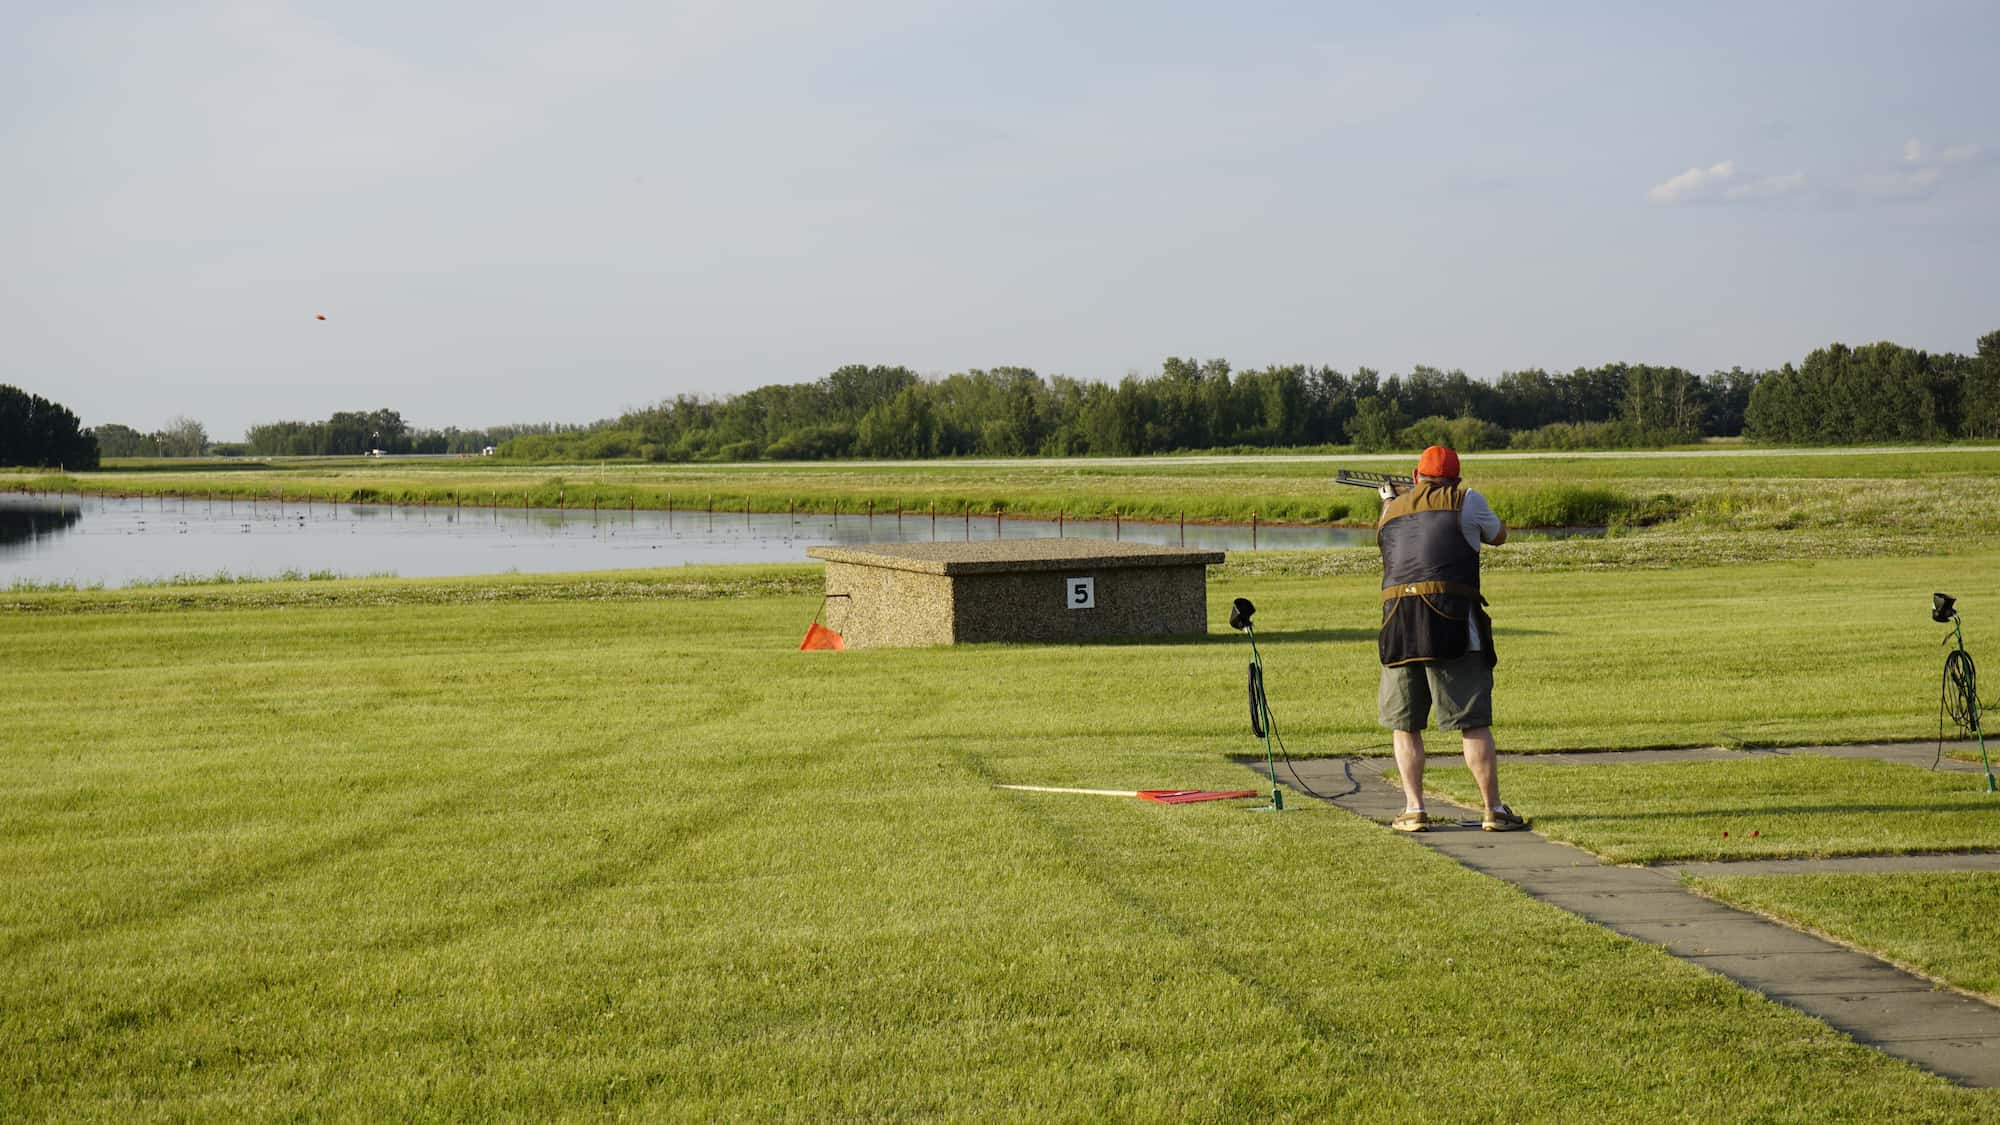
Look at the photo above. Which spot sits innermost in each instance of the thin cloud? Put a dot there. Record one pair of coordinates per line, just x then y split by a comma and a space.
1720, 183
1693, 183
1770, 187
1920, 174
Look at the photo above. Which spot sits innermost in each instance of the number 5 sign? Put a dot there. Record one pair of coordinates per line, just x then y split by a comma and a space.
1080, 593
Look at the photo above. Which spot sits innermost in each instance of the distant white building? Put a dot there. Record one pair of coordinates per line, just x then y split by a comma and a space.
487, 452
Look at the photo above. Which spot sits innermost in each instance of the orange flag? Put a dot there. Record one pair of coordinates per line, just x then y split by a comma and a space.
820, 637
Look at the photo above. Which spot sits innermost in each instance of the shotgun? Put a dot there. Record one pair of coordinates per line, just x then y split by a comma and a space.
1374, 482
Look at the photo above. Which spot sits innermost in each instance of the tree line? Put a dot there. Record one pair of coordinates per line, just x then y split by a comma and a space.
35, 431
1880, 392
1838, 394
183, 437
352, 433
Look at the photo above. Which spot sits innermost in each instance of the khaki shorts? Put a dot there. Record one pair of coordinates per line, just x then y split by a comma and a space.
1461, 689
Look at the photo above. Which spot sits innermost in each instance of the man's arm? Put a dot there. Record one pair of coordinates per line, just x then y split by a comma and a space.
1492, 532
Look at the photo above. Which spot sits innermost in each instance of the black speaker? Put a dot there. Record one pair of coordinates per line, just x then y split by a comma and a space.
1242, 610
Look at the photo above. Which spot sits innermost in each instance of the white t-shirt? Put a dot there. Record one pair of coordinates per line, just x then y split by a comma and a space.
1477, 521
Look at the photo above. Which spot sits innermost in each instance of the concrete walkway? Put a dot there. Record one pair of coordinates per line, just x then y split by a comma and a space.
1878, 1004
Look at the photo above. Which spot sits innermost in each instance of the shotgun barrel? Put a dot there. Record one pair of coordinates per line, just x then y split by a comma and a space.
1373, 482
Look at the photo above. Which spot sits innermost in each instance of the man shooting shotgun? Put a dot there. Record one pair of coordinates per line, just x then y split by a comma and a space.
1436, 643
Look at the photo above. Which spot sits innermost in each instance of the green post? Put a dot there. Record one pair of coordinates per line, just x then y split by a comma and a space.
1264, 717
1978, 724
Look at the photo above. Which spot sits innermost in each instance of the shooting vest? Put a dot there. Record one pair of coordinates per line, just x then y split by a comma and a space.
1430, 579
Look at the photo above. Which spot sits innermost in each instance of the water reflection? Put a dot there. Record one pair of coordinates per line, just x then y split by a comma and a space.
23, 525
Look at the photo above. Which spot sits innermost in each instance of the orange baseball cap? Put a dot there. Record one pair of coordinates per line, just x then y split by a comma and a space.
1438, 461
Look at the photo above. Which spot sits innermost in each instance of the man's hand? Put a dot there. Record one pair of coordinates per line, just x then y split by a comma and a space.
1387, 492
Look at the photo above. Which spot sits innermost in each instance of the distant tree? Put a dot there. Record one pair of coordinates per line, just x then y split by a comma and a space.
1663, 403
1525, 400
1980, 394
1466, 434
902, 427
1377, 422
1780, 407
40, 433
814, 443
1590, 394
183, 437
114, 440
1877, 392
1727, 394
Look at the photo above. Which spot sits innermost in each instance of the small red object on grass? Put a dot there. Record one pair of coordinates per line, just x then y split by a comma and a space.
1725, 834
1188, 796
819, 636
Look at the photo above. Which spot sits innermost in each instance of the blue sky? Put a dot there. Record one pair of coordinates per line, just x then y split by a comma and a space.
555, 212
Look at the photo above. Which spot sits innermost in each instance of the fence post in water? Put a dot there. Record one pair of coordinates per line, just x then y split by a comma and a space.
871, 512
1253, 531
1059, 521
996, 523
1117, 525
933, 521
1183, 527
968, 521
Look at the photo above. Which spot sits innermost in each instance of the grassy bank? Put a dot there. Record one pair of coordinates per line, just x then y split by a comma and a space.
1930, 492
566, 846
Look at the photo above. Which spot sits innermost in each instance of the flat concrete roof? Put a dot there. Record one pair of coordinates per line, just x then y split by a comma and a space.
1003, 555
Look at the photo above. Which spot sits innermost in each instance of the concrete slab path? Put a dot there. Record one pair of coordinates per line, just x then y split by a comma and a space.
1894, 1011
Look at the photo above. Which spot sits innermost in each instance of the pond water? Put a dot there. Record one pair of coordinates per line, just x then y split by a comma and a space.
108, 541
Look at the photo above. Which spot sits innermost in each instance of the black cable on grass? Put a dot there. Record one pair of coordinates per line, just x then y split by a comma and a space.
1260, 705
1958, 697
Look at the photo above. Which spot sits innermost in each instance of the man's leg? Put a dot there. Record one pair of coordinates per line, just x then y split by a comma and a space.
1464, 690
1410, 766
1404, 706
1481, 760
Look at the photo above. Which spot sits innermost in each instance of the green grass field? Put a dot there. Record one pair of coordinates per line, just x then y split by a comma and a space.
555, 847
1944, 924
